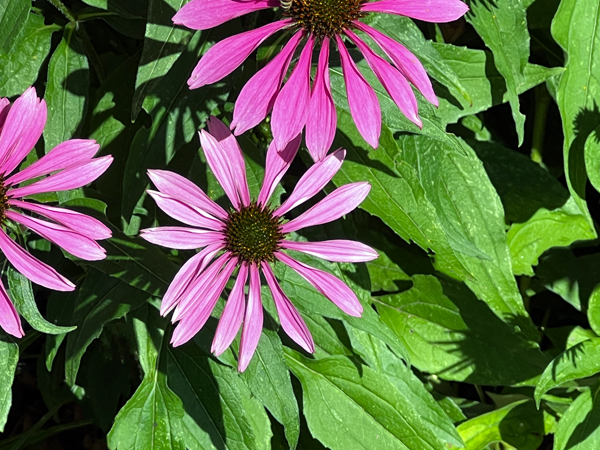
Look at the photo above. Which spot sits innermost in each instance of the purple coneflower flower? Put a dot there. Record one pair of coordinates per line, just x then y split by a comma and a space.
71, 165
316, 22
250, 237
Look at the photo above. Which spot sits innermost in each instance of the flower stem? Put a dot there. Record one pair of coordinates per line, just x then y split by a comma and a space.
542, 102
63, 9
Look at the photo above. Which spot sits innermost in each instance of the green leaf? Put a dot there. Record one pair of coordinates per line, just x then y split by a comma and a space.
593, 312
13, 14
578, 427
20, 65
592, 157
580, 361
21, 294
519, 424
452, 334
9, 356
502, 24
363, 406
67, 90
576, 28
396, 195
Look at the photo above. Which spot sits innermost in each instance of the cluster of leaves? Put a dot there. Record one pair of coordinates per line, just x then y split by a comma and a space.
482, 315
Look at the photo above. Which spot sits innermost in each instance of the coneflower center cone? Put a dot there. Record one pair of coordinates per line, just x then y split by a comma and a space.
325, 18
3, 199
253, 234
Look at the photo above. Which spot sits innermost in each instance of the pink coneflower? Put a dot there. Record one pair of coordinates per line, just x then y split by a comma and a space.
250, 237
316, 23
71, 165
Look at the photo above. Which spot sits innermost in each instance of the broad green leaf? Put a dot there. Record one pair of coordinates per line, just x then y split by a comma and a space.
592, 157
20, 65
502, 24
576, 28
578, 427
163, 44
472, 216
9, 356
67, 90
350, 407
454, 335
593, 312
580, 361
21, 294
519, 424
396, 195
13, 15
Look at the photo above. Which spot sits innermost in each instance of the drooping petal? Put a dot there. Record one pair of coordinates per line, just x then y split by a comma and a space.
331, 287
66, 154
438, 11
232, 316
322, 116
220, 163
4, 108
362, 100
76, 221
188, 272
313, 180
291, 105
336, 250
221, 133
206, 14
341, 201
9, 317
227, 55
258, 95
392, 80
195, 320
278, 162
184, 190
185, 213
407, 63
181, 238
290, 319
37, 271
73, 242
253, 321
22, 128
70, 178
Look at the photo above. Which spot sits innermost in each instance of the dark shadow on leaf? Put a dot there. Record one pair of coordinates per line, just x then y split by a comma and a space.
523, 426
587, 425
586, 121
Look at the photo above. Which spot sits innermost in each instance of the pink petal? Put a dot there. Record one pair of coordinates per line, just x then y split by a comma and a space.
181, 238
226, 56
290, 319
291, 106
70, 178
407, 63
328, 285
31, 267
221, 133
73, 242
336, 251
195, 320
258, 95
313, 180
81, 223
22, 128
278, 162
188, 272
205, 14
4, 108
392, 80
184, 190
253, 321
220, 162
362, 100
427, 10
69, 153
185, 213
232, 316
9, 317
341, 201
322, 116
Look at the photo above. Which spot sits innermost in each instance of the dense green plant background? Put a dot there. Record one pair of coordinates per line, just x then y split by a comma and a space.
484, 319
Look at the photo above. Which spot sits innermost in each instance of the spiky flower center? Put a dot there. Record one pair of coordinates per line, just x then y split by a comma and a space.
253, 234
3, 199
325, 18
